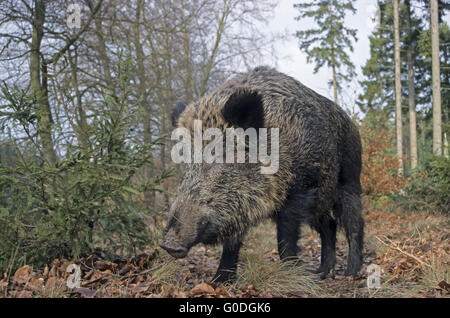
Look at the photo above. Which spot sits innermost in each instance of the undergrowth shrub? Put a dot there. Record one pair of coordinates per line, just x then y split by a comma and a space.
428, 189
379, 175
86, 201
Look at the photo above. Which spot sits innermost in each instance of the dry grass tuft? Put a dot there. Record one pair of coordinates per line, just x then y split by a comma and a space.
276, 277
169, 273
435, 274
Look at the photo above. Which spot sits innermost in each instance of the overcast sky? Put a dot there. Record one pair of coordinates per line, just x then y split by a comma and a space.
293, 62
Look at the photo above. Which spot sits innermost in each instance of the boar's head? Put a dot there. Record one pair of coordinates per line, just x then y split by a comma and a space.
218, 201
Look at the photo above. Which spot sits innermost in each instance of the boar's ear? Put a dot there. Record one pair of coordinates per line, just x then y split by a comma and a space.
244, 109
176, 111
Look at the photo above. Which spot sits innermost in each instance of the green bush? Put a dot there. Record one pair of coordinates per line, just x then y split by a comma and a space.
86, 201
429, 189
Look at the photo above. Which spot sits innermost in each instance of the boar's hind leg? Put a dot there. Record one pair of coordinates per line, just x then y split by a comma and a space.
350, 217
228, 262
326, 226
298, 207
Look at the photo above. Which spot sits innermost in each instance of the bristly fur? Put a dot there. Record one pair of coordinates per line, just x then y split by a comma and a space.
320, 164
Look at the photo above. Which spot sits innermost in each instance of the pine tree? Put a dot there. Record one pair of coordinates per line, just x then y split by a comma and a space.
378, 85
379, 71
327, 44
425, 52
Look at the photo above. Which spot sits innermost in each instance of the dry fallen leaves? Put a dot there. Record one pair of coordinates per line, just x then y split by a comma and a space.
402, 258
22, 275
202, 289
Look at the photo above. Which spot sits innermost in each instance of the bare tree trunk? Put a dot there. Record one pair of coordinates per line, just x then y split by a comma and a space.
169, 100
143, 95
398, 88
335, 85
333, 64
423, 137
445, 145
82, 127
105, 61
412, 94
445, 113
188, 79
39, 87
436, 79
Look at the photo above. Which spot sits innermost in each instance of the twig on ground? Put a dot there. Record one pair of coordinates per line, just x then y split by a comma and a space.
120, 277
395, 247
146, 271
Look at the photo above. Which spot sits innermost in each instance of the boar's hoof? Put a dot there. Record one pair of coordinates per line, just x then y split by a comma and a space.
224, 277
325, 272
354, 264
351, 272
293, 260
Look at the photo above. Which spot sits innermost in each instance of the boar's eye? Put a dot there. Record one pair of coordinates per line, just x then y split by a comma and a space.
207, 232
202, 224
203, 221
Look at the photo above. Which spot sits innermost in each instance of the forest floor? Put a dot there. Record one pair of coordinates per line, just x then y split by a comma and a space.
412, 251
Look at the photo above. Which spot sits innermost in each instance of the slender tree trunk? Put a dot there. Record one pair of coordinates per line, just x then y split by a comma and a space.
335, 84
167, 95
38, 85
445, 153
411, 93
398, 89
143, 95
188, 79
436, 79
105, 61
82, 127
333, 59
445, 112
424, 136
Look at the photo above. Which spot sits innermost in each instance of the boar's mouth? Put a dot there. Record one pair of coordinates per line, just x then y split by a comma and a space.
207, 233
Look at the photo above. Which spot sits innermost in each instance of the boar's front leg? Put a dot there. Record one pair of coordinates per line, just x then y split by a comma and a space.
228, 263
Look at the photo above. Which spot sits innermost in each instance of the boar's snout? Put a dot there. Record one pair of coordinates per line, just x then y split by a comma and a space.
174, 249
171, 243
188, 225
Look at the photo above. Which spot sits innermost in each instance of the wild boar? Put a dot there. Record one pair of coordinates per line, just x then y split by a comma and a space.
317, 181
